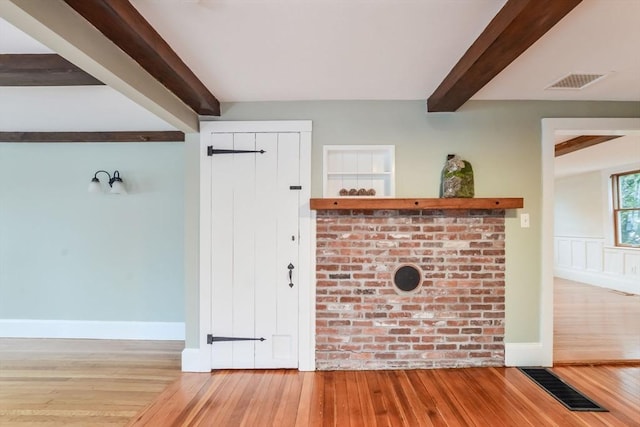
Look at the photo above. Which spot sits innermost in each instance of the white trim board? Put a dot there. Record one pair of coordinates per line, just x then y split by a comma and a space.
91, 329
523, 354
197, 359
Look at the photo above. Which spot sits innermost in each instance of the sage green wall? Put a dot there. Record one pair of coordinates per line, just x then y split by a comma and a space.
578, 206
66, 254
500, 139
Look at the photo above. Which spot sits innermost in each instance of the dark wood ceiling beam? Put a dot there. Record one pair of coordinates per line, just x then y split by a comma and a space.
153, 136
518, 25
580, 142
120, 22
42, 69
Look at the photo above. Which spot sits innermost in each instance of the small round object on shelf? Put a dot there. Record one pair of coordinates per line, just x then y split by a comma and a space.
353, 192
362, 192
371, 192
344, 192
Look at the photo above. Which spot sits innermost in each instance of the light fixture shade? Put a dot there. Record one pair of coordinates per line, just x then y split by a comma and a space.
94, 186
118, 187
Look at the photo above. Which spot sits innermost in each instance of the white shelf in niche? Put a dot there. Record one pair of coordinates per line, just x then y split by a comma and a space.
359, 166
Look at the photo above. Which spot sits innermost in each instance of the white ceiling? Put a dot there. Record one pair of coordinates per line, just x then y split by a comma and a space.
615, 153
320, 49
13, 40
265, 50
78, 108
599, 37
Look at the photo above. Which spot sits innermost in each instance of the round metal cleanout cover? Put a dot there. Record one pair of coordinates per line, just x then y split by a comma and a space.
407, 278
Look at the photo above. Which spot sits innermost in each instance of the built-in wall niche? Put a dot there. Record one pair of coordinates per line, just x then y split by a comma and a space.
359, 171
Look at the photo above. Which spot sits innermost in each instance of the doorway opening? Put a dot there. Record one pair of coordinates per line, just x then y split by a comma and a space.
552, 249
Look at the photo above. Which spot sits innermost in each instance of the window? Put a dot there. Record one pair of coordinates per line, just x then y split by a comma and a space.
626, 208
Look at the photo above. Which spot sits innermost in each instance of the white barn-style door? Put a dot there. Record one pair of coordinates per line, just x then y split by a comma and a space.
255, 235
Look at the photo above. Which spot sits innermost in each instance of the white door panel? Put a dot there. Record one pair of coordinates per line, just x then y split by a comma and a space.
254, 239
221, 256
243, 181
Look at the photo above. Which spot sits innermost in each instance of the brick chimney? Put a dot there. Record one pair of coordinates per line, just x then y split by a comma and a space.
454, 318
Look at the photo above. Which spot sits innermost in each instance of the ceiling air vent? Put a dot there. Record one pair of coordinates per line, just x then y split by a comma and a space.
576, 81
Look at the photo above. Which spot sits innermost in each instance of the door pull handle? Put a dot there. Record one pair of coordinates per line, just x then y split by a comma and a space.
290, 267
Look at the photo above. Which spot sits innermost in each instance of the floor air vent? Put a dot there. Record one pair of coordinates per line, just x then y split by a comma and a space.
564, 393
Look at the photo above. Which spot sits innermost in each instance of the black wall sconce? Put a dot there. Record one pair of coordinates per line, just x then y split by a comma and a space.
115, 183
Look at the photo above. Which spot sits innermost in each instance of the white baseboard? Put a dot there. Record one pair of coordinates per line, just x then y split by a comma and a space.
524, 354
602, 280
26, 328
196, 360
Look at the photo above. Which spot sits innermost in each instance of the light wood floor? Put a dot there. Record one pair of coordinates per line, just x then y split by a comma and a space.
82, 382
595, 325
107, 383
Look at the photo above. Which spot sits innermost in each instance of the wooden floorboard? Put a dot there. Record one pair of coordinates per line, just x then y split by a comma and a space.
105, 383
62, 382
595, 325
449, 397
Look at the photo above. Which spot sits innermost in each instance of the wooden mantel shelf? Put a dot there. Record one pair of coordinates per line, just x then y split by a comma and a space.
418, 204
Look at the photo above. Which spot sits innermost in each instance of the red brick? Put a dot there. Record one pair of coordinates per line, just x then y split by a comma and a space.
450, 331
410, 338
385, 356
400, 331
350, 299
374, 347
385, 338
408, 322
399, 347
333, 323
446, 346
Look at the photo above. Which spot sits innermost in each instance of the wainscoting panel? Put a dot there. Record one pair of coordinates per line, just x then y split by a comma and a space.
593, 256
588, 260
632, 264
613, 262
563, 252
578, 256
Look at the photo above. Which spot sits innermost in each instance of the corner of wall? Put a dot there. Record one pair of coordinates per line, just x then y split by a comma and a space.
525, 354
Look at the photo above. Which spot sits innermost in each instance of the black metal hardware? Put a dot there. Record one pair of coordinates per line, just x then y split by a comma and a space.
295, 187
290, 267
115, 178
211, 151
211, 339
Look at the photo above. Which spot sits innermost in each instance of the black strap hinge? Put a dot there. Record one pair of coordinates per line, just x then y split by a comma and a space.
211, 339
211, 151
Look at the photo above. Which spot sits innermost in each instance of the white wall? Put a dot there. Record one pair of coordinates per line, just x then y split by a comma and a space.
66, 254
578, 207
584, 248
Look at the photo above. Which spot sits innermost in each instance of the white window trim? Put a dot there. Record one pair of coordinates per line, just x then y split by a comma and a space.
611, 227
